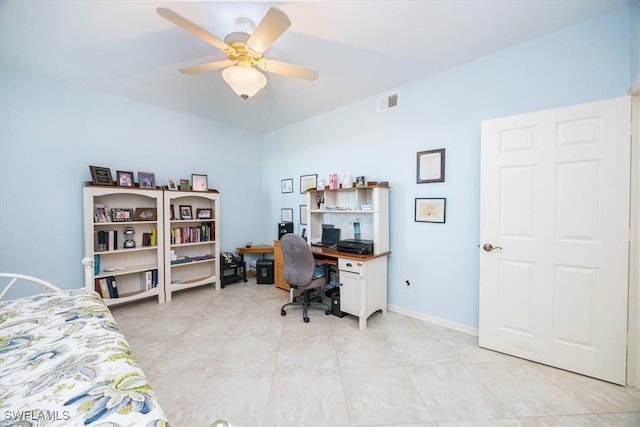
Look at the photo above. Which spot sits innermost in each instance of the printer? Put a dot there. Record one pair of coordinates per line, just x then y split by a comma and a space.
355, 246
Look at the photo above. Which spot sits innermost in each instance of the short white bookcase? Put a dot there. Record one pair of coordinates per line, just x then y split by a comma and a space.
137, 269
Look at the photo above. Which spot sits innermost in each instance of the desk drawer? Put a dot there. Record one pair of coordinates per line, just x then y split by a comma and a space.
351, 265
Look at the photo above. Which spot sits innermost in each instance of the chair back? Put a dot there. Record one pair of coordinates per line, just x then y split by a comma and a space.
299, 264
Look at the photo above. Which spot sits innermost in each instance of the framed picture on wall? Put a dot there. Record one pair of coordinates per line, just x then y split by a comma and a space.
308, 182
286, 185
303, 214
430, 166
286, 215
430, 210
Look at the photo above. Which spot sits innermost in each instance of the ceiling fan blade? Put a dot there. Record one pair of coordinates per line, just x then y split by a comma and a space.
286, 69
207, 66
274, 23
194, 29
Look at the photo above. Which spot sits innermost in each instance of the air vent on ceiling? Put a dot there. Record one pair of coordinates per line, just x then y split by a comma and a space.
388, 102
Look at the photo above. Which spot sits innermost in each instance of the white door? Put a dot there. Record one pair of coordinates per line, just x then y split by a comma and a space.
555, 207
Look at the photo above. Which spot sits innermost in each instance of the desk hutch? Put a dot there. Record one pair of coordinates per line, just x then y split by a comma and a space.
363, 278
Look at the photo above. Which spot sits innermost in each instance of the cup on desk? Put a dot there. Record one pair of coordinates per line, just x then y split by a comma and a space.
247, 245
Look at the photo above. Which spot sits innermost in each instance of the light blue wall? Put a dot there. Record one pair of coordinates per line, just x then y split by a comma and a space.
50, 132
587, 62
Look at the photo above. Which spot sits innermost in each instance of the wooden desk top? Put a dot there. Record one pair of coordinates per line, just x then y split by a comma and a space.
319, 251
256, 249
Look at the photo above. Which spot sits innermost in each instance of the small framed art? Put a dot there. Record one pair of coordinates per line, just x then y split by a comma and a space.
185, 212
199, 182
308, 182
146, 214
171, 184
286, 215
430, 210
303, 214
101, 175
146, 180
430, 166
205, 213
286, 185
121, 215
100, 214
125, 179
184, 185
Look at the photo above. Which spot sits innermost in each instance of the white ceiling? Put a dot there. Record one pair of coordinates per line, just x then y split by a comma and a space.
360, 48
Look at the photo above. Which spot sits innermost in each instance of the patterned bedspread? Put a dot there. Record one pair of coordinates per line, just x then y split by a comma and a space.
64, 362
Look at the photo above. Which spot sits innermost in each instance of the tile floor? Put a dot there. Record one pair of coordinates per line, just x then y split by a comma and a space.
230, 355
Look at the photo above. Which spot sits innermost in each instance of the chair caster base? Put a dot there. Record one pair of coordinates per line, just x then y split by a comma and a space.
306, 319
283, 313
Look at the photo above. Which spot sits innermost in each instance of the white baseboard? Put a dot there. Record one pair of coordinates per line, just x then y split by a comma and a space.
435, 320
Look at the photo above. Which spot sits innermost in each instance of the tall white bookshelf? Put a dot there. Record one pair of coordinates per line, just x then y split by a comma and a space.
108, 212
191, 249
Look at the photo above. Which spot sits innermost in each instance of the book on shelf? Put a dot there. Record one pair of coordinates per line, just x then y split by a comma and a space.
202, 257
181, 260
148, 280
154, 237
96, 264
106, 240
96, 286
112, 287
104, 288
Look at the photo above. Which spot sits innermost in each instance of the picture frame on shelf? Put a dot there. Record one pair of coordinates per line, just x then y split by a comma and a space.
430, 166
205, 213
199, 182
185, 185
308, 182
146, 180
430, 210
121, 215
360, 182
101, 214
185, 212
146, 214
303, 214
125, 178
100, 175
286, 185
171, 184
286, 215
334, 181
345, 180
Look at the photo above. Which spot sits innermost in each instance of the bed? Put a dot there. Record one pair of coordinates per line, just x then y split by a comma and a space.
64, 362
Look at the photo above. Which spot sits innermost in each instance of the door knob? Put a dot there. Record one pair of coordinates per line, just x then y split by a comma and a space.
489, 247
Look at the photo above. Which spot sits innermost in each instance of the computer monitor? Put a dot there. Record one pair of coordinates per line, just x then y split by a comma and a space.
330, 236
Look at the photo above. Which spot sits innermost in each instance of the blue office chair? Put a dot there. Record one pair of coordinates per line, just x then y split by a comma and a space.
299, 270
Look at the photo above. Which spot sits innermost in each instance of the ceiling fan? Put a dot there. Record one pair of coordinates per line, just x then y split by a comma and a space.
244, 49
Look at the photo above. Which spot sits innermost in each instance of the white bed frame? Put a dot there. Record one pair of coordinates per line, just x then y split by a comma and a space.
14, 277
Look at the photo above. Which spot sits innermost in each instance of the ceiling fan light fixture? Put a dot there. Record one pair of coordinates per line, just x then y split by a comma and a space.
245, 81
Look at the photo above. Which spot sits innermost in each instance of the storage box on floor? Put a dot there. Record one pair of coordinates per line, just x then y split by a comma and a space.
264, 271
